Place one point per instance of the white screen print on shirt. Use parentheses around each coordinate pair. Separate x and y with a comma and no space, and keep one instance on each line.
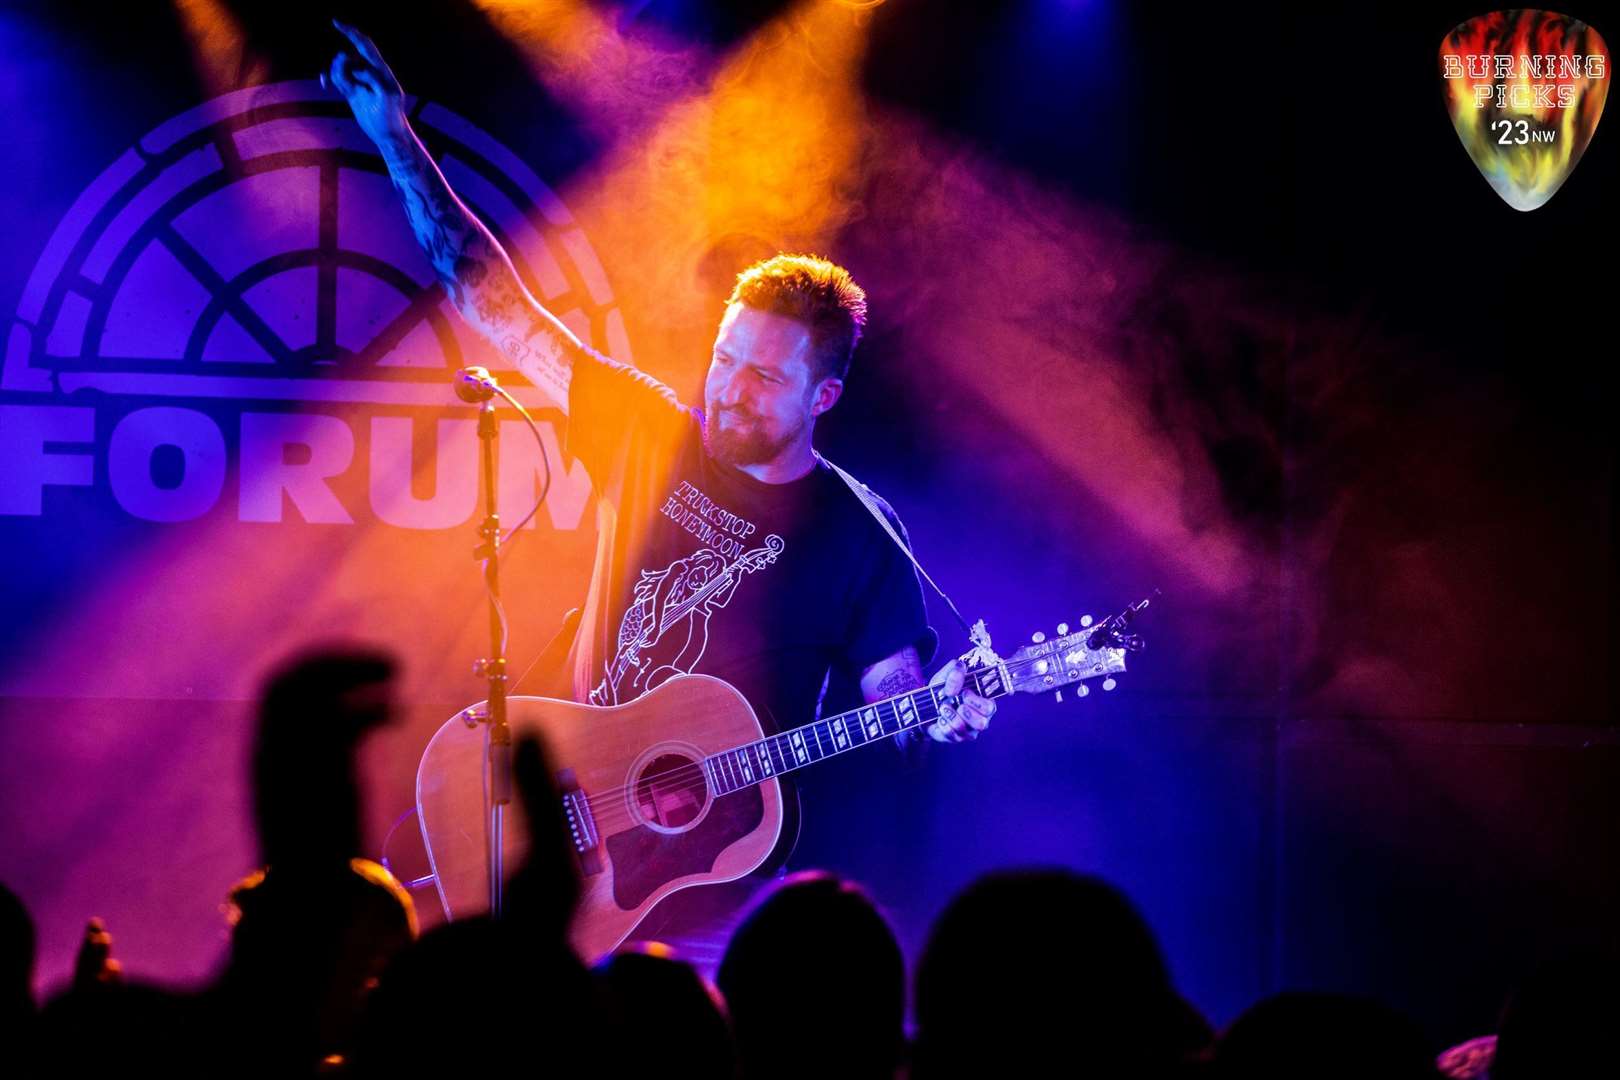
(665,628)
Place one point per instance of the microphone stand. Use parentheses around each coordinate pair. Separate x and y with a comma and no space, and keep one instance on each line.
(493,667)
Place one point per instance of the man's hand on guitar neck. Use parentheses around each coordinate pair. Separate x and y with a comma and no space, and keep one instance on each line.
(475,271)
(964,720)
(962,715)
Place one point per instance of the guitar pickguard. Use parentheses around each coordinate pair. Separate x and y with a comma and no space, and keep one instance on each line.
(644,859)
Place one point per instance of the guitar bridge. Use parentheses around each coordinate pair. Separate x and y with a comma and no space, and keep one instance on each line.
(581,825)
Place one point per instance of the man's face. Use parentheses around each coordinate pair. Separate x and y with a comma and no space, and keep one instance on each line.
(761,394)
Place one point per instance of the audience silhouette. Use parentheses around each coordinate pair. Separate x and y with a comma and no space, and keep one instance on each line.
(674,1022)
(17,950)
(1026,968)
(1025,972)
(1326,1036)
(815,982)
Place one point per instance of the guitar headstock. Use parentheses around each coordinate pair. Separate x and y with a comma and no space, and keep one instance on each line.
(1095,651)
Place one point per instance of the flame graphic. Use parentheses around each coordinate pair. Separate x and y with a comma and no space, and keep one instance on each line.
(1526,133)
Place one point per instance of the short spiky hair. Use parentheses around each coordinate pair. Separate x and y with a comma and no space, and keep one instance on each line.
(816,292)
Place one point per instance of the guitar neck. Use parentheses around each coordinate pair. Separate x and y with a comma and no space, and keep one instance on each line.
(798,748)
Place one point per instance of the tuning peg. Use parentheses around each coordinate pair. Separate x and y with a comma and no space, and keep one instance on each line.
(1063,628)
(1057,695)
(1037,637)
(1109,684)
(1085,620)
(1084,691)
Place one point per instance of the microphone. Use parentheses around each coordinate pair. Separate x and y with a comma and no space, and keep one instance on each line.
(475,385)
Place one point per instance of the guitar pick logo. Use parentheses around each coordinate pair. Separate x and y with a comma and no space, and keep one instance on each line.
(1525,90)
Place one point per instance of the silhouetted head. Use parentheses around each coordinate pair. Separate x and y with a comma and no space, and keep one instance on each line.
(674,1022)
(305,952)
(815,983)
(1324,1036)
(455,1001)
(476,995)
(1025,967)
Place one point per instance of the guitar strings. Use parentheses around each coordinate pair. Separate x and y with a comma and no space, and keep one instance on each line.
(614,808)
(693,778)
(609,807)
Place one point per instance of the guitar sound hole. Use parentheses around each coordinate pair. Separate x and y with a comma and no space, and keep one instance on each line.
(670,791)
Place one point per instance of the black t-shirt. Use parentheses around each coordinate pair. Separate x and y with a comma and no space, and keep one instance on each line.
(702,568)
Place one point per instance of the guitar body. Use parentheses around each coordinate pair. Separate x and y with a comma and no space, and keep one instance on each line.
(639,796)
(634,774)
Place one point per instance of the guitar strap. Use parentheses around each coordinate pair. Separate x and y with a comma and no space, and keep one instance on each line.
(976,632)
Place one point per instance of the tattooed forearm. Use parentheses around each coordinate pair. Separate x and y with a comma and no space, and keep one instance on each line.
(893,675)
(476,273)
(898,682)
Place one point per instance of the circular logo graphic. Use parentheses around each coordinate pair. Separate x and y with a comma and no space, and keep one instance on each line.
(254,248)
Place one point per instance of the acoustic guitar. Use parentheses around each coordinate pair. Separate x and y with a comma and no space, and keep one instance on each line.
(680,787)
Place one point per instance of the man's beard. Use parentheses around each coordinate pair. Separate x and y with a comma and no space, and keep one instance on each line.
(751,445)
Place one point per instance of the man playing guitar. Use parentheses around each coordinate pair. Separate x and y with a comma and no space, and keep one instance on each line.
(726,545)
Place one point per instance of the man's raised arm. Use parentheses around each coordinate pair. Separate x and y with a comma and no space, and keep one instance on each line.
(476,273)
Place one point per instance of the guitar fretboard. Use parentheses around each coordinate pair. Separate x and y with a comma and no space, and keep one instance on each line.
(749,764)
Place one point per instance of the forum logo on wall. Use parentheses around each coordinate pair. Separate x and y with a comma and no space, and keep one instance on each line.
(1525,90)
(235,318)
